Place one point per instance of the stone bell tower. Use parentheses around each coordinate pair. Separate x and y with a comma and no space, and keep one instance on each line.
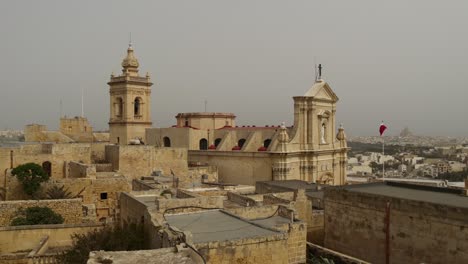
(130,102)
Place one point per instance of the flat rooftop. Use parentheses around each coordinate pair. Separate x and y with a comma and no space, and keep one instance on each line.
(430,194)
(215,225)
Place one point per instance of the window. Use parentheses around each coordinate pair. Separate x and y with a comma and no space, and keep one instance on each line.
(217,141)
(47,166)
(267,143)
(103,196)
(167,142)
(203,144)
(241,142)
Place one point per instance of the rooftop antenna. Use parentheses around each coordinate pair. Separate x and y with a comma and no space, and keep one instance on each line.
(82,102)
(206,103)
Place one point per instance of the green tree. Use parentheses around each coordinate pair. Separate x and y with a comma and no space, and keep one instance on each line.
(37,216)
(56,192)
(109,239)
(31,176)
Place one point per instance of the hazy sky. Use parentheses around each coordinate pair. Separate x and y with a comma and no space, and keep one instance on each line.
(405,62)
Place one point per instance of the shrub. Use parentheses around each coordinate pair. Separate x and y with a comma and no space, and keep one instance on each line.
(31,176)
(37,216)
(56,192)
(108,239)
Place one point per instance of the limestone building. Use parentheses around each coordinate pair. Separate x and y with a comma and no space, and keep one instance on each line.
(72,130)
(130,102)
(308,150)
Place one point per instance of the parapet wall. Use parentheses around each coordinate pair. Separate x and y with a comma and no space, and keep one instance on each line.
(419,231)
(70,209)
(26,238)
(203,201)
(241,199)
(80,170)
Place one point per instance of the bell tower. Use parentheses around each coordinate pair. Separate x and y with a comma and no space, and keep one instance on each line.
(130,102)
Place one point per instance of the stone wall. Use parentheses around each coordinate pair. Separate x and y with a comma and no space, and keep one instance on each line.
(132,211)
(100,195)
(419,232)
(211,171)
(264,250)
(70,209)
(202,201)
(241,199)
(253,212)
(141,160)
(297,246)
(273,199)
(80,170)
(237,167)
(57,154)
(25,238)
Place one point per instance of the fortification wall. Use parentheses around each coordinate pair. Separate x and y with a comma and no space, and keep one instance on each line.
(419,231)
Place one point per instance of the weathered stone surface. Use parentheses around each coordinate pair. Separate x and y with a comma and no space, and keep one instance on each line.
(70,209)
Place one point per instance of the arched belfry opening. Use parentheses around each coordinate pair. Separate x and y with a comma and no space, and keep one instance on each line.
(203,144)
(137,106)
(118,107)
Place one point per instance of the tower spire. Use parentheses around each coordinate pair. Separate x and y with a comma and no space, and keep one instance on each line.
(130,40)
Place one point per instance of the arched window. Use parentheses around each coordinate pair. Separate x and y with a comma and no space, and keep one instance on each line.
(203,144)
(267,142)
(241,142)
(167,142)
(217,141)
(119,107)
(47,166)
(137,106)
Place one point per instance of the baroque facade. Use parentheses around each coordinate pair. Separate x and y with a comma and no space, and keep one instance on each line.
(309,150)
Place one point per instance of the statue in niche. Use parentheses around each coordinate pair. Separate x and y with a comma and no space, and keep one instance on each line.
(322,134)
